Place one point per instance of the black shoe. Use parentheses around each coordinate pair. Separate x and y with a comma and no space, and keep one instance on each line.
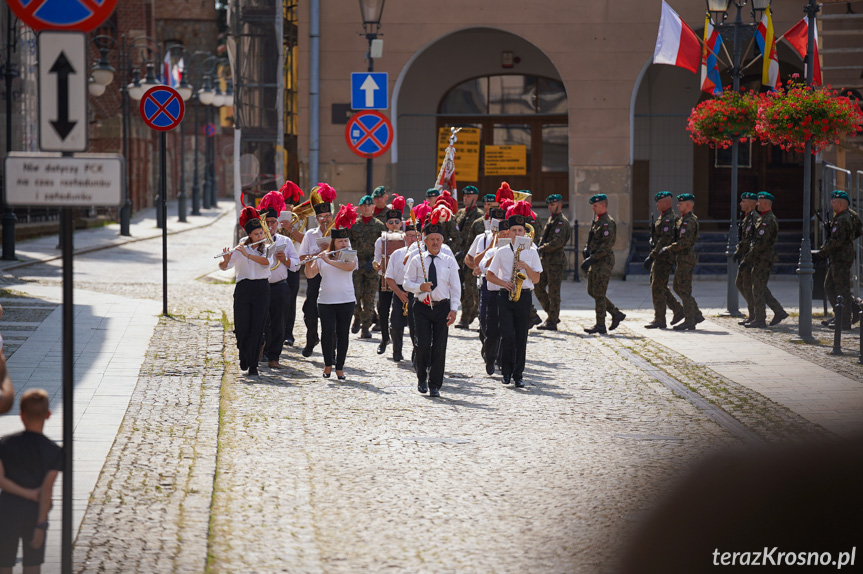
(365,334)
(756,325)
(422,387)
(829,322)
(289,342)
(655,325)
(341,378)
(678,316)
(685,326)
(244,366)
(507,379)
(397,357)
(355,328)
(310,346)
(596,329)
(534,322)
(519,383)
(326,375)
(489,368)
(616,318)
(434,393)
(253,371)
(778,317)
(382,347)
(699,319)
(462,326)
(548,326)
(745,321)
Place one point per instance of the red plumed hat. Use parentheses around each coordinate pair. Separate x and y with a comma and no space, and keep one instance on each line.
(250,215)
(504,192)
(506,204)
(446,199)
(291,192)
(273,203)
(326,191)
(398,202)
(520,208)
(440,214)
(346,217)
(422,210)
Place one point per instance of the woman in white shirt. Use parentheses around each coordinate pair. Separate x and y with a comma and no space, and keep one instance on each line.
(252,291)
(336,299)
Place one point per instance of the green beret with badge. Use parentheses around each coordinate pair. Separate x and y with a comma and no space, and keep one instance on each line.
(686,197)
(748,195)
(598,197)
(554,197)
(839,194)
(470,190)
(366,200)
(661,195)
(765,195)
(379,191)
(489,198)
(432,192)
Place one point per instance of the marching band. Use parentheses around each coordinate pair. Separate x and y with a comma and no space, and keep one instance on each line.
(418,280)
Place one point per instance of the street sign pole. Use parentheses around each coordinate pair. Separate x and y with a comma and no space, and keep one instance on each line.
(369,161)
(163,144)
(66,227)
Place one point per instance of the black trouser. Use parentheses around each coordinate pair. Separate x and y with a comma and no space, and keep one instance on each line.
(275,327)
(514,316)
(335,327)
(484,296)
(431,334)
(492,327)
(385,301)
(310,309)
(291,308)
(398,320)
(251,306)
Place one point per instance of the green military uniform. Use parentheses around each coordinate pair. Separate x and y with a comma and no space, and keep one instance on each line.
(744,272)
(551,252)
(603,233)
(464,221)
(366,280)
(382,215)
(684,248)
(845,227)
(662,235)
(760,257)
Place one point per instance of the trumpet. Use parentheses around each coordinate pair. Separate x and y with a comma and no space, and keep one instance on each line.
(238,246)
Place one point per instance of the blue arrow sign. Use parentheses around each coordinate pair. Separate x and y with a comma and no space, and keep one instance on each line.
(369,91)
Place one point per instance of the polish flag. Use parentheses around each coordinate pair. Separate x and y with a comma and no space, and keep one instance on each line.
(676,43)
(798,38)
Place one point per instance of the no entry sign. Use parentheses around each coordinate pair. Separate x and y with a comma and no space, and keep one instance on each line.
(68,15)
(162,108)
(369,134)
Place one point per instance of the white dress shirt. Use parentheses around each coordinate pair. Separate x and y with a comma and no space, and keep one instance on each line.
(309,246)
(337,286)
(501,264)
(396,267)
(480,242)
(246,268)
(483,267)
(292,260)
(448,283)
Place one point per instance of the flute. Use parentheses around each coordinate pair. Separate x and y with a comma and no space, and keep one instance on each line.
(322,253)
(237,247)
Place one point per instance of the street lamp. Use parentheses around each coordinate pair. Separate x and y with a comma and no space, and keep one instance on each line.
(9,74)
(735,33)
(372,12)
(202,63)
(185,90)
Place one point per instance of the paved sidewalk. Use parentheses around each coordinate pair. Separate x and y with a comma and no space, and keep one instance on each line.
(142,226)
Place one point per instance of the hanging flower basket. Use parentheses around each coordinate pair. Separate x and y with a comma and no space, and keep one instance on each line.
(789,117)
(719,121)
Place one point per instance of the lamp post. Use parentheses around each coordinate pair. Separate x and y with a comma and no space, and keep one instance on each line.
(9,217)
(372,11)
(204,96)
(805,269)
(734,33)
(185,91)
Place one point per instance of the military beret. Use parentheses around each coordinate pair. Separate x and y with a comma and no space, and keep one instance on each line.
(839,194)
(554,197)
(765,195)
(517,219)
(748,195)
(379,191)
(489,197)
(662,195)
(470,190)
(430,228)
(432,192)
(366,200)
(598,197)
(686,197)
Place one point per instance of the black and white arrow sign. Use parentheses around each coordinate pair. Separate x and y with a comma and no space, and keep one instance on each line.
(62,61)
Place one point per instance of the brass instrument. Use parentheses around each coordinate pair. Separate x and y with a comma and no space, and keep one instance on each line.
(302,212)
(519,195)
(530,231)
(518,276)
(405,308)
(391,242)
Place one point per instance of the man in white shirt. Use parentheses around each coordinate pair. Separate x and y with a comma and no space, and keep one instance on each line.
(480,245)
(284,258)
(491,345)
(433,278)
(514,316)
(310,248)
(395,279)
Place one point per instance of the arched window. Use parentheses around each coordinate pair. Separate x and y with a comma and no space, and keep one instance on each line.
(509,95)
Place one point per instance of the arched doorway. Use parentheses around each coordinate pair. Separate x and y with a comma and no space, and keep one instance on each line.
(506,94)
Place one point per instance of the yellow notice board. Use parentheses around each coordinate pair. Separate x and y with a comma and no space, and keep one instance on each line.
(505,160)
(466,152)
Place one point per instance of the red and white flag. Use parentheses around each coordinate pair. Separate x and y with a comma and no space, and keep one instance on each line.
(676,43)
(798,37)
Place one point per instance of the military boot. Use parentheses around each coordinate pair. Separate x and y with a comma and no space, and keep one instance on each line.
(656,324)
(778,317)
(616,318)
(678,316)
(596,329)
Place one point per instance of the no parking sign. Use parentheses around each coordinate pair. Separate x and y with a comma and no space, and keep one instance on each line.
(369,134)
(162,108)
(70,15)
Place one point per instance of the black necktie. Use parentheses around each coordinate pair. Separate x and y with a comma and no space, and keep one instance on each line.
(432,272)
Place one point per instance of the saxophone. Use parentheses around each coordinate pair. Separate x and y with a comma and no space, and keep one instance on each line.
(518,276)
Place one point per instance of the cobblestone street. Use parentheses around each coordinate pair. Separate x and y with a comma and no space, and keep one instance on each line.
(215,471)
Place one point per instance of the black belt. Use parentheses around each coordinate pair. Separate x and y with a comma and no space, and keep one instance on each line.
(277,282)
(441,302)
